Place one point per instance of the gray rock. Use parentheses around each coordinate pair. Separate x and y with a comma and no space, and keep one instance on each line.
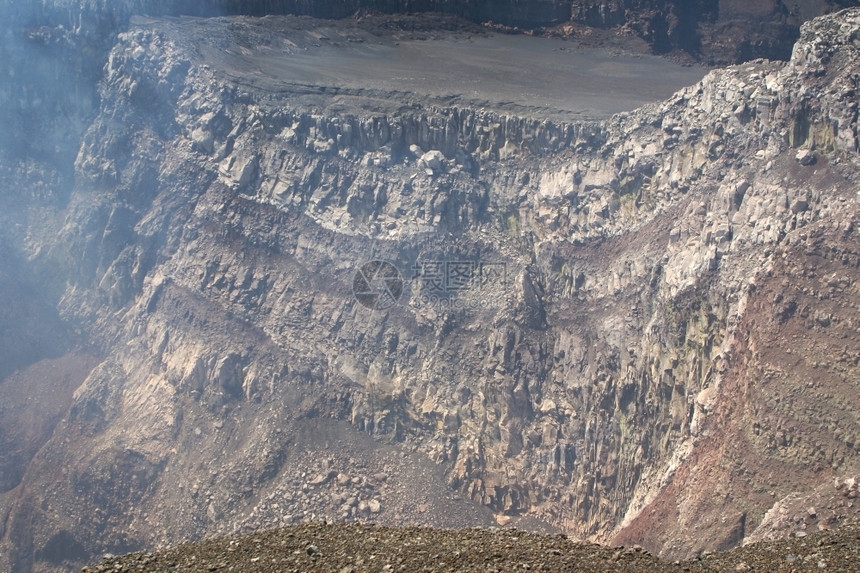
(800,206)
(433,160)
(805,157)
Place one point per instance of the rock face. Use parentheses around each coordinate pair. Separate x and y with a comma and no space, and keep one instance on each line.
(645,329)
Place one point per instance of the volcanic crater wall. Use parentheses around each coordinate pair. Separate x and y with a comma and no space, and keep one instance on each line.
(632,369)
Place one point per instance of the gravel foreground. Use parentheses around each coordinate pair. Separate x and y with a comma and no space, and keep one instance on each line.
(368,548)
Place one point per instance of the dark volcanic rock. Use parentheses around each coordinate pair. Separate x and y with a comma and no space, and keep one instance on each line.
(320,547)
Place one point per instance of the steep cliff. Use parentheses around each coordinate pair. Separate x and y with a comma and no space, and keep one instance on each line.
(643,320)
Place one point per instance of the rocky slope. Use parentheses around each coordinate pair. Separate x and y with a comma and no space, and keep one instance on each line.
(656,342)
(321,547)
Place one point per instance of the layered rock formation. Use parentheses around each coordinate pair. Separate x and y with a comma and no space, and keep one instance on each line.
(666,353)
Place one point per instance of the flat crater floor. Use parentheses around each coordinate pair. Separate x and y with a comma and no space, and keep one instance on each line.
(382,67)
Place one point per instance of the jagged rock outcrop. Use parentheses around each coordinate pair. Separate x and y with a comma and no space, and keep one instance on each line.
(670,337)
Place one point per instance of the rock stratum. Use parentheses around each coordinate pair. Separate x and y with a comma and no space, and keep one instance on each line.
(646,330)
